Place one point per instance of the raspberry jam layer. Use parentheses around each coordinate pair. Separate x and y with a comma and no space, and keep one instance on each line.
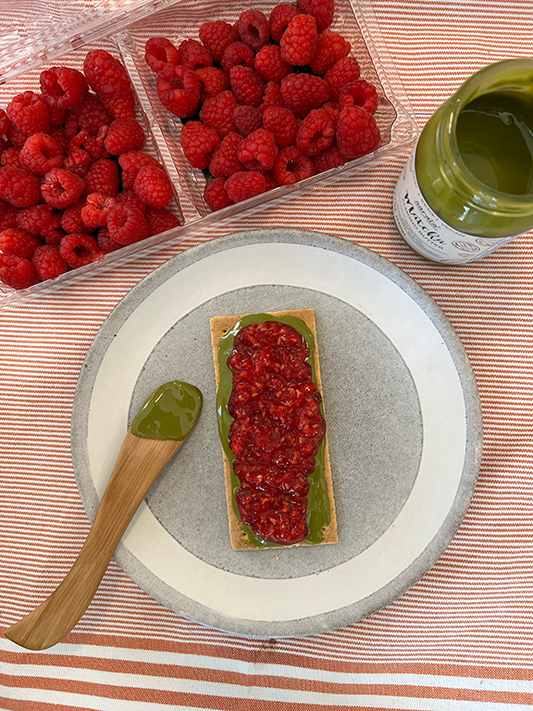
(272,428)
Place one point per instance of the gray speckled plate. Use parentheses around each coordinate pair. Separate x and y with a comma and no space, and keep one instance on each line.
(404,431)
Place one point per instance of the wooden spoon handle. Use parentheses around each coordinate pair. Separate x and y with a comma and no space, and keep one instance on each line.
(138,465)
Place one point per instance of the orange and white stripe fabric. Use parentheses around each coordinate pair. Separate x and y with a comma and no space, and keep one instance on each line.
(461,639)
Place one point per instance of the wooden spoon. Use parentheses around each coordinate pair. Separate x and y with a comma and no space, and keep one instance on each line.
(156,434)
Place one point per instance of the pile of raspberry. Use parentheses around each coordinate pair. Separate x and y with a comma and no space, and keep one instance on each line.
(74,180)
(266,101)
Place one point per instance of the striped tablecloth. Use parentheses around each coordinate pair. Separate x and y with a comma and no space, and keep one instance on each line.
(461,638)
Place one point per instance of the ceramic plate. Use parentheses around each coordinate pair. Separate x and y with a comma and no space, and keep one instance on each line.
(403,418)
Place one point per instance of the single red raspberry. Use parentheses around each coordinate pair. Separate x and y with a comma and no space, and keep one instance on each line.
(17,272)
(300,40)
(193,55)
(60,137)
(280,17)
(247,85)
(57,116)
(331,48)
(357,132)
(105,74)
(131,163)
(292,166)
(359,93)
(96,209)
(179,90)
(79,249)
(60,188)
(11,157)
(18,242)
(237,54)
(198,142)
(271,97)
(247,119)
(90,116)
(282,123)
(103,178)
(29,112)
(124,135)
(158,52)
(63,87)
(341,73)
(126,224)
(18,187)
(131,198)
(8,215)
(120,107)
(83,149)
(16,136)
(39,220)
(304,92)
(71,220)
(225,161)
(215,194)
(106,242)
(212,82)
(217,113)
(40,154)
(153,187)
(258,151)
(242,186)
(160,219)
(4,122)
(48,262)
(321,10)
(316,133)
(333,111)
(217,36)
(331,157)
(270,64)
(253,29)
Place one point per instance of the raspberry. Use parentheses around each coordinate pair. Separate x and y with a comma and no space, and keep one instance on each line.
(341,73)
(237,54)
(247,85)
(120,107)
(179,90)
(270,65)
(62,87)
(8,215)
(198,142)
(4,122)
(316,133)
(105,74)
(258,151)
(215,194)
(10,157)
(292,165)
(225,161)
(254,29)
(131,163)
(18,242)
(244,185)
(40,154)
(300,40)
(272,96)
(19,187)
(60,188)
(106,242)
(91,116)
(153,187)
(158,52)
(304,92)
(97,207)
(17,136)
(83,149)
(357,132)
(280,17)
(193,55)
(48,262)
(282,123)
(321,10)
(29,112)
(103,177)
(130,198)
(79,249)
(331,157)
(57,116)
(217,36)
(124,135)
(331,48)
(159,219)
(71,220)
(247,119)
(270,181)
(17,271)
(333,111)
(217,113)
(212,82)
(39,220)
(359,93)
(126,224)
(60,137)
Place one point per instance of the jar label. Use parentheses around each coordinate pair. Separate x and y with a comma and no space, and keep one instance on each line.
(427,234)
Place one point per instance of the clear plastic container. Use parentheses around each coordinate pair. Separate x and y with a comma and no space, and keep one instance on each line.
(63,34)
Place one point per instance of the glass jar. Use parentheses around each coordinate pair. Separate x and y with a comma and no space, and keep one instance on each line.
(453,203)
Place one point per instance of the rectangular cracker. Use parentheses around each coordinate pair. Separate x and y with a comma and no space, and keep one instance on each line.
(220,325)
